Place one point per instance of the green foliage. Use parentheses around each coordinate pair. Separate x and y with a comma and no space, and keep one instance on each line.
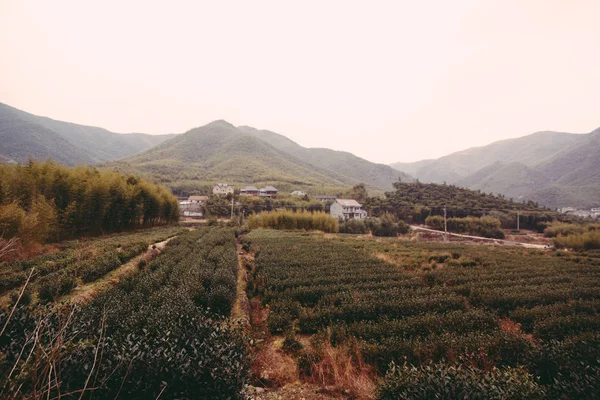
(294,220)
(491,313)
(583,241)
(443,381)
(478,226)
(387,225)
(565,229)
(417,201)
(88,260)
(46,201)
(157,334)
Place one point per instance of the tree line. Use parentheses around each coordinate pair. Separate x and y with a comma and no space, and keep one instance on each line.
(45,201)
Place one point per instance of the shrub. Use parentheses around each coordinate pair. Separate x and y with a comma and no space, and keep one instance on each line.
(579,241)
(55,285)
(479,226)
(387,225)
(294,220)
(443,381)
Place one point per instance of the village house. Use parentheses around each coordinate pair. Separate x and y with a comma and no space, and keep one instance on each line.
(347,209)
(249,191)
(193,206)
(268,191)
(222,189)
(198,199)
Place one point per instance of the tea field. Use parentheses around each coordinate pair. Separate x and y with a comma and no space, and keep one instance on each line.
(433,310)
(396,318)
(162,332)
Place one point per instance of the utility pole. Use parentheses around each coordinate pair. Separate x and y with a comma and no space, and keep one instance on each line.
(445,225)
(518,230)
(232,208)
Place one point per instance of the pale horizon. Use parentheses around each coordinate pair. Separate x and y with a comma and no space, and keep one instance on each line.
(389,82)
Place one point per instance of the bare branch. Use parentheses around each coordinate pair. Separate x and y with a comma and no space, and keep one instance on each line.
(17,302)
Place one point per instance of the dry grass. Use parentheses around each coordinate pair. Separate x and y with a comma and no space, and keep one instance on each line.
(273,368)
(341,370)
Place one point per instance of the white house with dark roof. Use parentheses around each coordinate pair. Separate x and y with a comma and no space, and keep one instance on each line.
(347,209)
(222,189)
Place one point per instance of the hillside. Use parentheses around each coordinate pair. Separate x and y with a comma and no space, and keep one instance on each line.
(342,163)
(25,135)
(219,152)
(415,201)
(552,168)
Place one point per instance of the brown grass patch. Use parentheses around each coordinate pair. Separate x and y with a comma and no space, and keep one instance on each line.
(341,370)
(273,368)
(509,326)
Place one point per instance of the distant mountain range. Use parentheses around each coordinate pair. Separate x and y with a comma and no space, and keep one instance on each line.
(555,169)
(24,135)
(217,152)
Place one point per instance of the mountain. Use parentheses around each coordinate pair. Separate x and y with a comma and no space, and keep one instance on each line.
(24,135)
(555,169)
(343,163)
(220,152)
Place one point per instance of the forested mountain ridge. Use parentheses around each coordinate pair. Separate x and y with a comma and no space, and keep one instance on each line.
(554,169)
(24,135)
(220,152)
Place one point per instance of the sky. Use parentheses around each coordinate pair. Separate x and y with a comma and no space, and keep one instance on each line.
(390,81)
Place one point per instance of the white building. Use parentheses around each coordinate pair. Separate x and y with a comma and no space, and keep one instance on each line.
(298,193)
(347,209)
(222,189)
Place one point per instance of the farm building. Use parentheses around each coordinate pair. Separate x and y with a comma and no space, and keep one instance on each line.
(347,209)
(268,191)
(249,191)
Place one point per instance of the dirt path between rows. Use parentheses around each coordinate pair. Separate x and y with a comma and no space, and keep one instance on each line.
(86,292)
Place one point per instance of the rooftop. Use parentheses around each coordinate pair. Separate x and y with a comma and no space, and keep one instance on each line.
(349,202)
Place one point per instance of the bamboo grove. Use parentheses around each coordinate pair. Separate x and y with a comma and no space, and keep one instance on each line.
(46,201)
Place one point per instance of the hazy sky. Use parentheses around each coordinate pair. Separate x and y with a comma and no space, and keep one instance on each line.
(388,81)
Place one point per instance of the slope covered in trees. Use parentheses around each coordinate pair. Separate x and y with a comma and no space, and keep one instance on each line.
(416,201)
(47,201)
(25,135)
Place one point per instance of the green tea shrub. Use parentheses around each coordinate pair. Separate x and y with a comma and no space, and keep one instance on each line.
(456,381)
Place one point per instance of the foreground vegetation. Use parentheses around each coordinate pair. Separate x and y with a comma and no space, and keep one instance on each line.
(162,332)
(454,314)
(47,202)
